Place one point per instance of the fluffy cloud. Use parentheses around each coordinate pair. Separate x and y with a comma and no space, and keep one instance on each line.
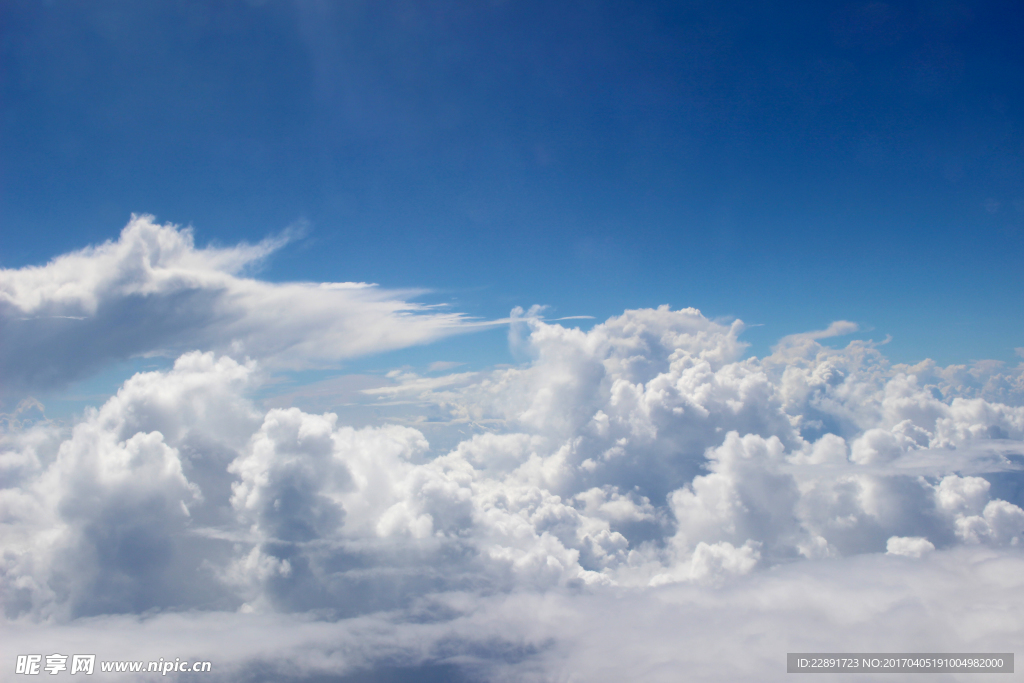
(909,546)
(597,501)
(153,291)
(99,524)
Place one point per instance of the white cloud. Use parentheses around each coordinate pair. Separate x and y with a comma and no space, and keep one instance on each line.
(837,328)
(965,599)
(908,546)
(153,291)
(601,498)
(100,524)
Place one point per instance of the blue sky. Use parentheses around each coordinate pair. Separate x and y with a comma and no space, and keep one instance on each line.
(347,341)
(785,163)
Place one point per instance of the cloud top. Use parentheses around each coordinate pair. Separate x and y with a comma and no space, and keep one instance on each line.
(154,291)
(641,473)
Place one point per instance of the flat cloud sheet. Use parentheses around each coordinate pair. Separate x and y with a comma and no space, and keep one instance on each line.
(634,502)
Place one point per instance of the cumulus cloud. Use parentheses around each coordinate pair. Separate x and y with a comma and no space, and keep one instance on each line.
(592,505)
(154,291)
(908,546)
(99,523)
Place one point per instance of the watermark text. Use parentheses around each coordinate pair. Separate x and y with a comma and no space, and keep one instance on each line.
(34,665)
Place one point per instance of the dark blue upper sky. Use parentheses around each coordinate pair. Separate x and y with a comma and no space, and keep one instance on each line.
(789,163)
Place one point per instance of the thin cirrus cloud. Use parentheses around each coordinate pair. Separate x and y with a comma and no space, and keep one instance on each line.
(597,502)
(154,292)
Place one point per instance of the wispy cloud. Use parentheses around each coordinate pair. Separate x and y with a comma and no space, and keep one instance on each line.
(154,291)
(837,328)
(443,365)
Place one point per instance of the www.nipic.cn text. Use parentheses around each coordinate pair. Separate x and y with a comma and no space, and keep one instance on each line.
(56,663)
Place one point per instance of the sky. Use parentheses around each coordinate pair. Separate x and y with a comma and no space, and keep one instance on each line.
(508,340)
(788,164)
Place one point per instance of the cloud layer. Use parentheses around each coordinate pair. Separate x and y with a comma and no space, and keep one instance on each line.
(153,291)
(629,503)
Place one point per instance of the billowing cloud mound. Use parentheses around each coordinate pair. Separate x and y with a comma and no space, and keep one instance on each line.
(597,504)
(153,291)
